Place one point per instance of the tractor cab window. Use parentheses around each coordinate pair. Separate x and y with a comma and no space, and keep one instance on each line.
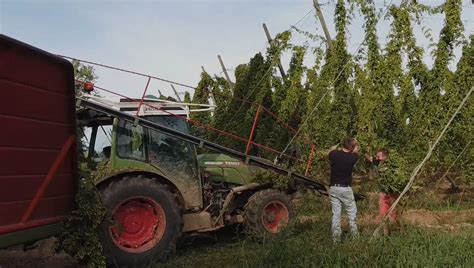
(131,141)
(170,121)
(97,139)
(174,156)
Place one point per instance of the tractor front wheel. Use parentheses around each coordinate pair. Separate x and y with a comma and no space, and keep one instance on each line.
(267,212)
(142,221)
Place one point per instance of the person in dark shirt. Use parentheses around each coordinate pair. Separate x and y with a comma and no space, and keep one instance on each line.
(340,191)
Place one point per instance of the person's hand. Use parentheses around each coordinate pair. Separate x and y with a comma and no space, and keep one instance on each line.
(369,158)
(334,147)
(356,149)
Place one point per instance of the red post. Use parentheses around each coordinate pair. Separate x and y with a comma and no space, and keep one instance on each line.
(143,96)
(310,160)
(249,143)
(49,177)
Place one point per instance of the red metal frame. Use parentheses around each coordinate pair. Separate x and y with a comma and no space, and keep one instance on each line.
(143,96)
(199,124)
(252,131)
(190,87)
(47,180)
(249,140)
(25,222)
(310,160)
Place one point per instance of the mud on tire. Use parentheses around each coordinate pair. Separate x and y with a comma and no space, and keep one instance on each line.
(267,212)
(142,223)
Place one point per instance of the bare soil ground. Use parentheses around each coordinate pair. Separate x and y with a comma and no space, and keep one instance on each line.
(42,254)
(429,219)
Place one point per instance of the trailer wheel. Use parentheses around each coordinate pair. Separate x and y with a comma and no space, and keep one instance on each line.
(142,223)
(267,212)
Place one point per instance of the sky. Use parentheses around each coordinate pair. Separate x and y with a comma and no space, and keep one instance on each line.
(173,39)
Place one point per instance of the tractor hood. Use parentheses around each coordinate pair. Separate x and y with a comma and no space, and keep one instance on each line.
(223,168)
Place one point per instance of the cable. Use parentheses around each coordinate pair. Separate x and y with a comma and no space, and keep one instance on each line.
(194,122)
(300,20)
(381,15)
(419,166)
(162,79)
(452,164)
(128,71)
(265,74)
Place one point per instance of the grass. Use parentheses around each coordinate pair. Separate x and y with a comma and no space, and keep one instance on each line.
(309,244)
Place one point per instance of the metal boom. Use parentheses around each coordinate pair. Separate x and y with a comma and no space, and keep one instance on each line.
(202,143)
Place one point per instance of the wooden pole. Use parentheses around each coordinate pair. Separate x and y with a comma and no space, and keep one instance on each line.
(176,93)
(323,23)
(227,77)
(269,38)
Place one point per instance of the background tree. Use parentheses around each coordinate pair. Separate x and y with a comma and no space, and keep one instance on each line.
(431,114)
(383,95)
(461,135)
(187,97)
(223,97)
(201,96)
(342,106)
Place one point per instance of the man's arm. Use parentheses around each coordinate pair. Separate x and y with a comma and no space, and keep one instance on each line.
(356,149)
(332,149)
(330,154)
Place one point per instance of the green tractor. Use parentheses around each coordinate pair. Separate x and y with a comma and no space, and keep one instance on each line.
(156,188)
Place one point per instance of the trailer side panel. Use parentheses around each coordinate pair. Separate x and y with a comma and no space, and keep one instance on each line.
(37,122)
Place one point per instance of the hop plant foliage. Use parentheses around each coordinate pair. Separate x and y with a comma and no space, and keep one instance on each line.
(278,181)
(80,236)
(385,95)
(394,174)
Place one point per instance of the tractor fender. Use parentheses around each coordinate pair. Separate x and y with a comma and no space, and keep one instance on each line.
(104,181)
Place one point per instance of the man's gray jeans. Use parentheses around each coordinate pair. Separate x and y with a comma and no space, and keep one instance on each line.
(342,196)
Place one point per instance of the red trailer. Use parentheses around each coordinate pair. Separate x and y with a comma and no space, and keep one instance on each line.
(38,167)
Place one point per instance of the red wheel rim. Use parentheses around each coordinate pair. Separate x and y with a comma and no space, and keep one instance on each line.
(138,224)
(275,216)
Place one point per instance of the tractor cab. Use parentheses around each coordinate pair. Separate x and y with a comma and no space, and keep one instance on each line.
(128,141)
(123,146)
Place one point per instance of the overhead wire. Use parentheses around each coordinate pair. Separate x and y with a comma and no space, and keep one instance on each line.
(265,74)
(127,71)
(452,164)
(381,15)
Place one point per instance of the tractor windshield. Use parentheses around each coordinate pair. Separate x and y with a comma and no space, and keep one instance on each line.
(170,121)
(173,156)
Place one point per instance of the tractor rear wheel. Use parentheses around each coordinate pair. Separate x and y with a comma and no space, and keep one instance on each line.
(142,222)
(267,212)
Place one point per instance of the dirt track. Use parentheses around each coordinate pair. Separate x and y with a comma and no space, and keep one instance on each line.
(42,255)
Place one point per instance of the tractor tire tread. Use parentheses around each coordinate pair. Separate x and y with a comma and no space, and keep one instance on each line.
(143,182)
(252,225)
